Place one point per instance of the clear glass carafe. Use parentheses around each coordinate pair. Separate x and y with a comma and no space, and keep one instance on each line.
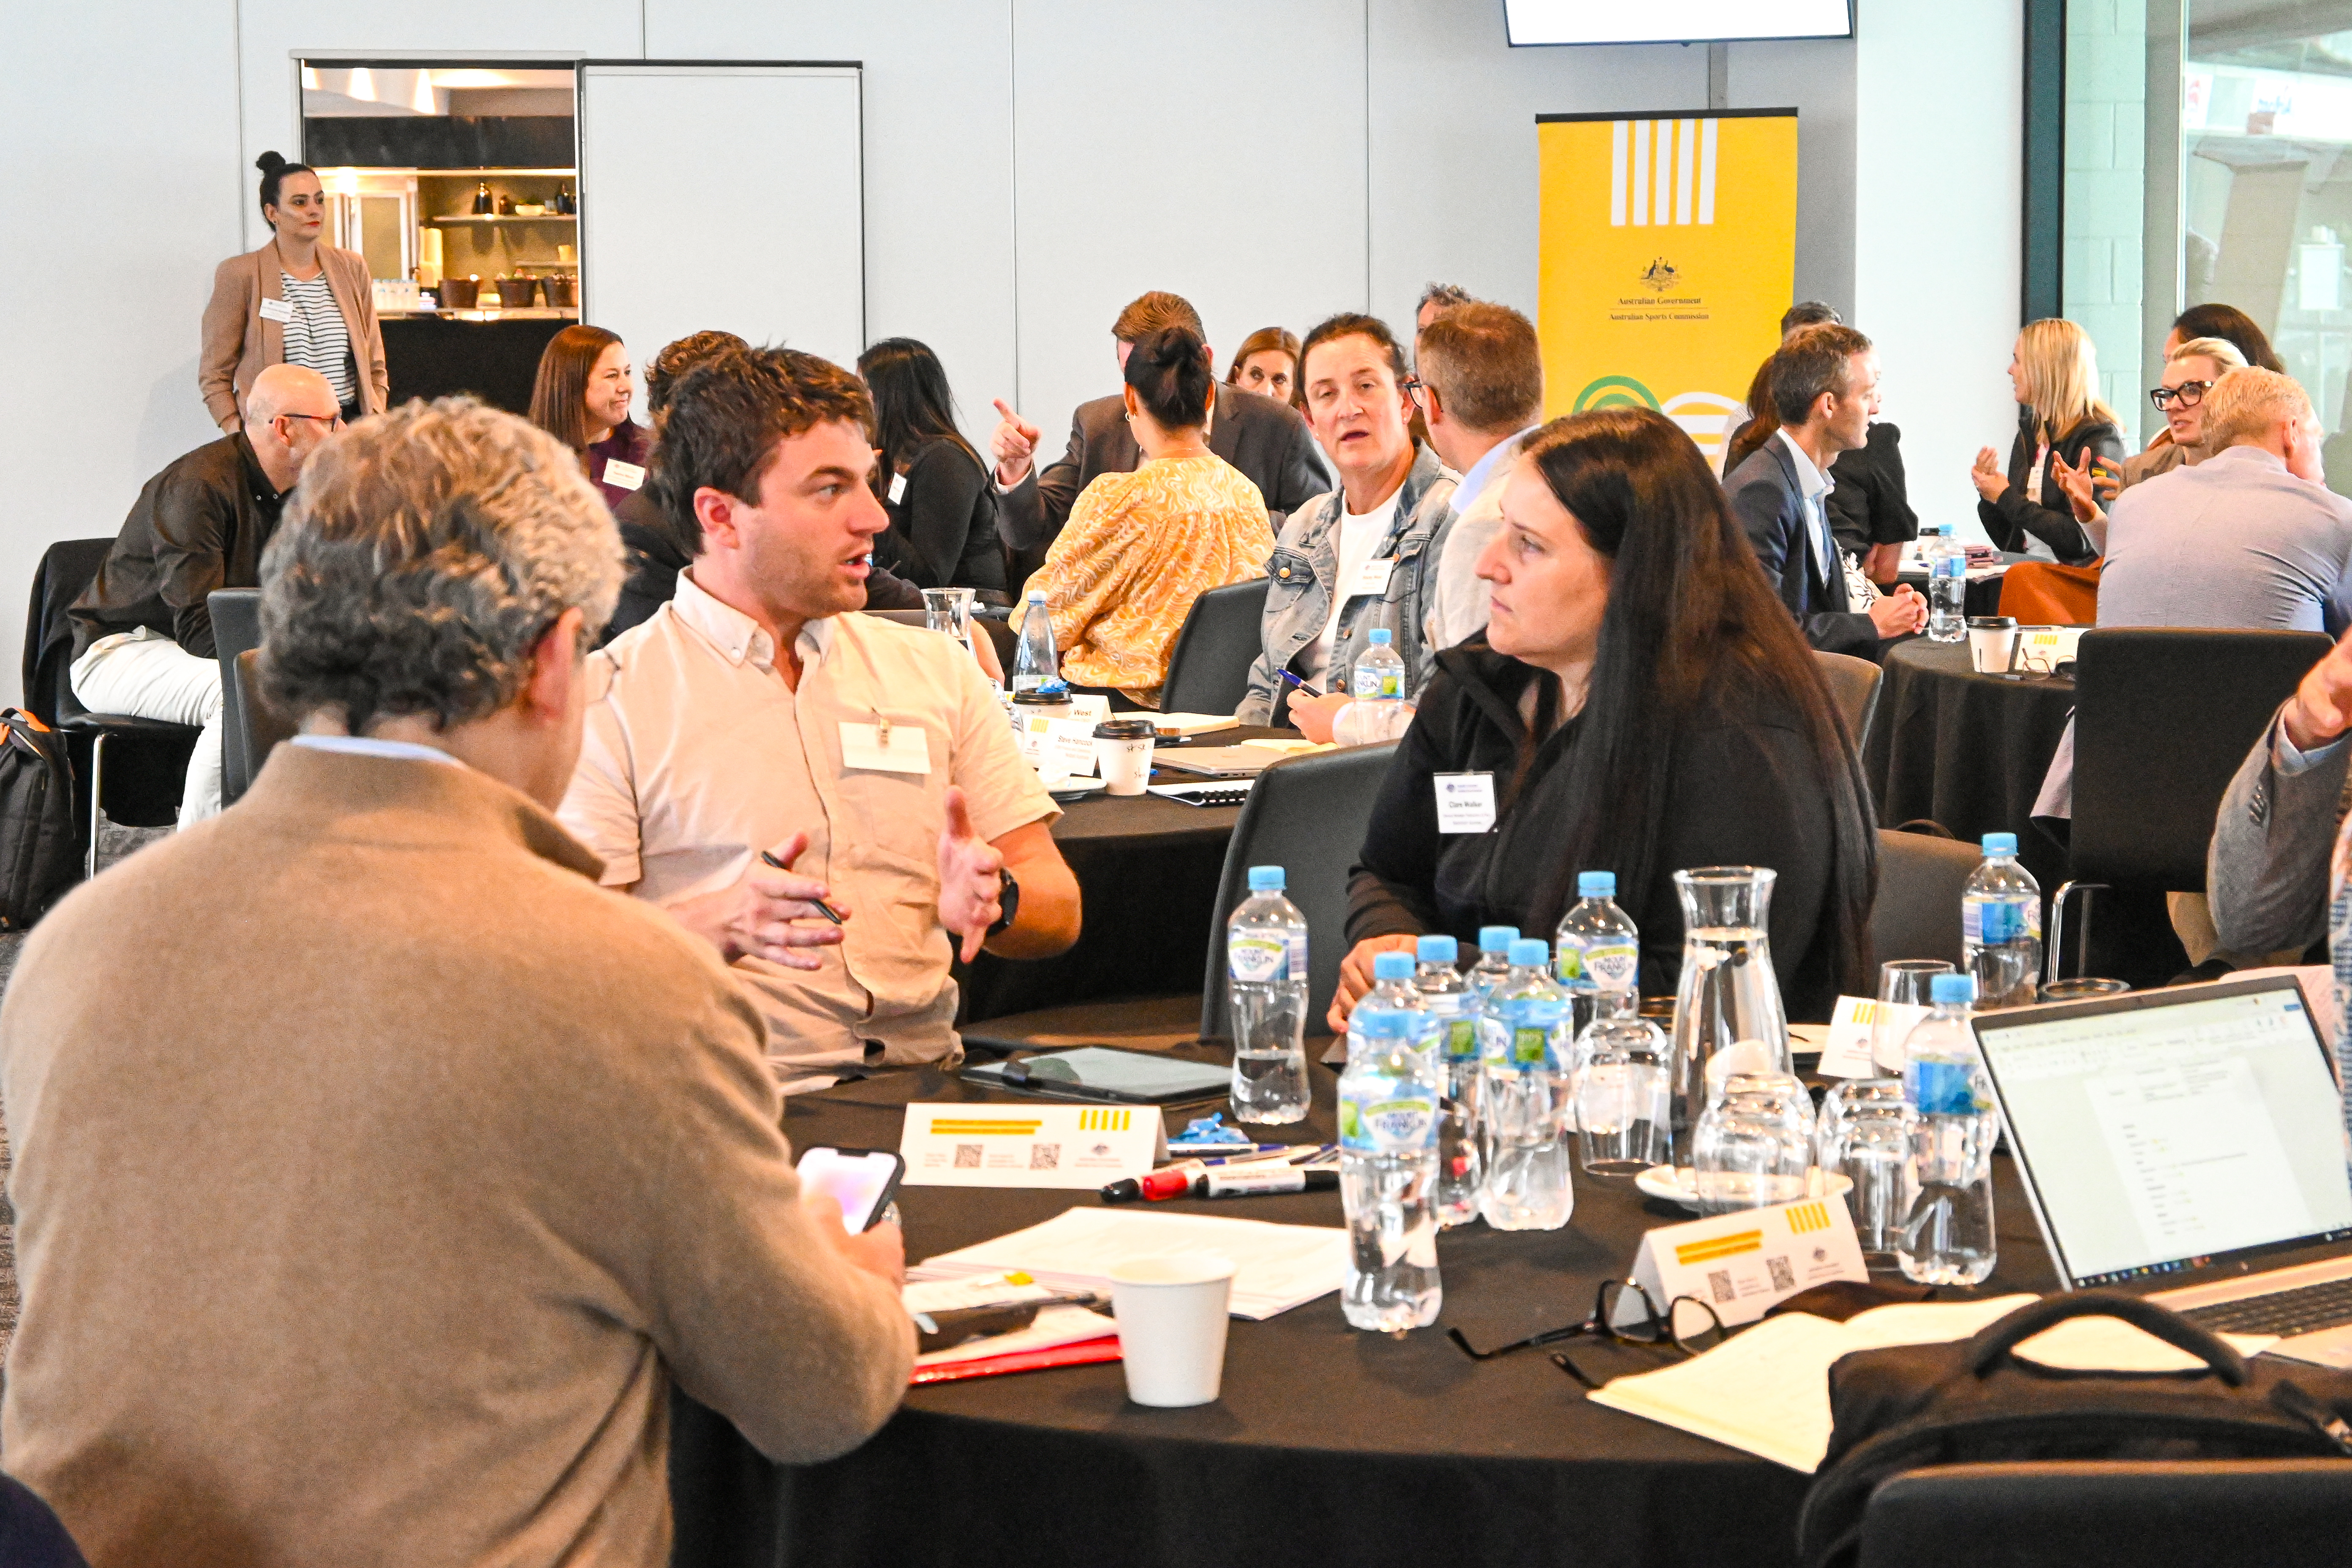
(1727,1014)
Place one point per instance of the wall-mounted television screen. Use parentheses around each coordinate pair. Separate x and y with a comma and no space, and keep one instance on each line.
(1684,22)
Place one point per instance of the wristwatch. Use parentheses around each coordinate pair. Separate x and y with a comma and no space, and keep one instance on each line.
(1008,899)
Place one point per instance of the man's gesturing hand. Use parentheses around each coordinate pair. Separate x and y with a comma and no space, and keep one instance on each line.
(969,885)
(2321,708)
(1014,444)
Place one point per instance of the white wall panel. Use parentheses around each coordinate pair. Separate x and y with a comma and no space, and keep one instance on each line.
(1816,78)
(1938,196)
(1217,150)
(938,160)
(1453,140)
(122,190)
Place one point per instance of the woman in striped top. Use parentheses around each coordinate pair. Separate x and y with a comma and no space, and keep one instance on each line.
(294,302)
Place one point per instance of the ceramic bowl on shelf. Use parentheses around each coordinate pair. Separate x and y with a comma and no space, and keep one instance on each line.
(532,209)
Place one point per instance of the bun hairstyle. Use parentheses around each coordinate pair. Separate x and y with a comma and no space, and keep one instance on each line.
(1169,371)
(273,169)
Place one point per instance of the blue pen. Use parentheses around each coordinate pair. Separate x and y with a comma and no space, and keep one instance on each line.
(1235,1147)
(1303,687)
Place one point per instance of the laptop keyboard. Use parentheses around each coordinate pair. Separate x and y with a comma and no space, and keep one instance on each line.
(2285,1313)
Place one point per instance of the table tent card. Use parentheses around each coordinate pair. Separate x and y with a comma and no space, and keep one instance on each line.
(978,1145)
(1741,1263)
(1847,1052)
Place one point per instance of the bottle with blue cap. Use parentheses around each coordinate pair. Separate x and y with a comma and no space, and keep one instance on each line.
(1946,560)
(1377,684)
(1389,1095)
(1494,965)
(2001,926)
(1266,969)
(1526,1042)
(1452,1010)
(1948,1225)
(1036,672)
(1597,951)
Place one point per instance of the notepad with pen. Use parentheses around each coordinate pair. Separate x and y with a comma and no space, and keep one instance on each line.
(1103,1073)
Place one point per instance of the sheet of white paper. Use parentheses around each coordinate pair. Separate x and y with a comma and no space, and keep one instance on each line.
(972,1291)
(1277,1267)
(2110,1345)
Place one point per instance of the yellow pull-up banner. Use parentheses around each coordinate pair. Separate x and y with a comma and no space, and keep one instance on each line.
(1669,252)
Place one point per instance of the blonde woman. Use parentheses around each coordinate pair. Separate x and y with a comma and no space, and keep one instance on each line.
(2189,373)
(1140,547)
(2054,373)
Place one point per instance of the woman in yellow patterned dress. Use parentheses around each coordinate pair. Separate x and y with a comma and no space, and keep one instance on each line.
(1140,547)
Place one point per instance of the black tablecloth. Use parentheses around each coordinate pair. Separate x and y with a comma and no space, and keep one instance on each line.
(1147,870)
(1966,749)
(1327,1443)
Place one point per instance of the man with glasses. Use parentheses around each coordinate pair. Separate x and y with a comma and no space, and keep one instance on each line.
(143,631)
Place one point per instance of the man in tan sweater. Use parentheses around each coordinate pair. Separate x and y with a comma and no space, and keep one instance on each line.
(375,1173)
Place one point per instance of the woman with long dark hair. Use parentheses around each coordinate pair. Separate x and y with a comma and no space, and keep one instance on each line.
(582,398)
(1643,704)
(942,531)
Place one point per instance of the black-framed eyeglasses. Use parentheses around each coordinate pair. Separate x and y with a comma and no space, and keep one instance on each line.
(1686,1323)
(331,421)
(2188,395)
(1414,385)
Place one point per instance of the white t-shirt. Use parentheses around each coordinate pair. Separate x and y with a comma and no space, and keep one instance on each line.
(1360,535)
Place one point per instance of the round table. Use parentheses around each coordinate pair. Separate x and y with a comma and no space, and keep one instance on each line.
(1967,750)
(1327,1443)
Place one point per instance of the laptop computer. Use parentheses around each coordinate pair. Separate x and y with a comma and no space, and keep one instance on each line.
(2187,1145)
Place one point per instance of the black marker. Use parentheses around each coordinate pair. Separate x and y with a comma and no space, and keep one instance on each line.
(827,910)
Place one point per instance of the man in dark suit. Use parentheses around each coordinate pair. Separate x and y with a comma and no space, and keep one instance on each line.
(1824,381)
(1266,440)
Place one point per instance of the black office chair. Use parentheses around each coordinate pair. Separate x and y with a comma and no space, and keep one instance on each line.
(236,628)
(1853,687)
(2213,1513)
(1306,814)
(2162,720)
(1917,911)
(155,771)
(1208,670)
(250,728)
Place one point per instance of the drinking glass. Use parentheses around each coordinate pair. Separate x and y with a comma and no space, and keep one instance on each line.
(1843,1100)
(1619,1095)
(949,610)
(1730,998)
(1749,1150)
(1905,980)
(1870,1146)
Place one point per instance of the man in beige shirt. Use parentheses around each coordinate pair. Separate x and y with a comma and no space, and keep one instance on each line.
(755,712)
(375,1171)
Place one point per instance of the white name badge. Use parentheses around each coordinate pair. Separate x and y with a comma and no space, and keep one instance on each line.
(892,749)
(1058,748)
(1094,710)
(898,488)
(1852,1025)
(976,1145)
(277,310)
(1372,577)
(1740,1264)
(1466,803)
(628,476)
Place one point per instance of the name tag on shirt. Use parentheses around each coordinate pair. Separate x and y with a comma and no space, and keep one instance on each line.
(628,476)
(1466,803)
(898,488)
(277,310)
(1372,577)
(901,750)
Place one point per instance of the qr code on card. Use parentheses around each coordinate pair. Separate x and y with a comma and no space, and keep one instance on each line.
(1784,1276)
(1045,1156)
(967,1156)
(1718,1284)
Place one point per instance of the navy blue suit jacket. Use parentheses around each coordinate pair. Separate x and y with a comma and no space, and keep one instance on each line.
(1770,508)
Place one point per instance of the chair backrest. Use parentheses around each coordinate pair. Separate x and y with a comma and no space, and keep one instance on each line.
(31,1535)
(2162,718)
(66,570)
(1208,670)
(1853,687)
(237,621)
(2212,1513)
(1306,814)
(2044,594)
(251,727)
(1918,912)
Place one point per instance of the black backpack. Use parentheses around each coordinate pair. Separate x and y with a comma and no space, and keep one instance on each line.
(1971,1402)
(40,852)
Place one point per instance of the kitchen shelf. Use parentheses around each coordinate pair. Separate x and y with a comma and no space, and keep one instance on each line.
(504,217)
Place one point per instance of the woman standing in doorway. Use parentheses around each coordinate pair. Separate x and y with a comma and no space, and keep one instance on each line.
(582,398)
(296,301)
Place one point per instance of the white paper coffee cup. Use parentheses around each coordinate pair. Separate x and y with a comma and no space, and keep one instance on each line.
(1172,1326)
(1124,756)
(1992,644)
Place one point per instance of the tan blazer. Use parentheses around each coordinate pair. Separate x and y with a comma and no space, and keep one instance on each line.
(240,342)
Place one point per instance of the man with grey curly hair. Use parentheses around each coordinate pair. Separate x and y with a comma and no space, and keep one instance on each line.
(387,1202)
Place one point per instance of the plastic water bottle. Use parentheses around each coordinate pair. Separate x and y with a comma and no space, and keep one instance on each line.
(2001,926)
(1266,964)
(1378,685)
(1036,671)
(1947,1236)
(1494,965)
(1948,583)
(1597,951)
(1526,1047)
(1453,1009)
(1388,1156)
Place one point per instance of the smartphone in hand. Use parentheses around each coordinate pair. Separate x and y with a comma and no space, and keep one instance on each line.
(862,1181)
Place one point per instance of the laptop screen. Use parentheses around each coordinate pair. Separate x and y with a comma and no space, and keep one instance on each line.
(2166,1133)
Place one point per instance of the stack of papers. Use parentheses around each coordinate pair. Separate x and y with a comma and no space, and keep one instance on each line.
(1276,1266)
(1767,1389)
